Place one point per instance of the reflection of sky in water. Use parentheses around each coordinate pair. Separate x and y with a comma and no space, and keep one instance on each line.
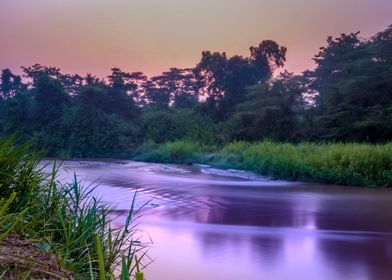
(212,226)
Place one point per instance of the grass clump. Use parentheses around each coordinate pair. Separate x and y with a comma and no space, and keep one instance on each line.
(347,164)
(172,152)
(63,225)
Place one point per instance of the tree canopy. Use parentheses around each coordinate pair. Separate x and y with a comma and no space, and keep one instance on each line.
(346,97)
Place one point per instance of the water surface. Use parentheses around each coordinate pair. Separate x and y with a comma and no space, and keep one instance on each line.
(229,225)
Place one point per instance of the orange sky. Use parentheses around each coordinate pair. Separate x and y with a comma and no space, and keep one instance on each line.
(81,36)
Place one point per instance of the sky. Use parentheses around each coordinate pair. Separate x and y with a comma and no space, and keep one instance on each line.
(92,36)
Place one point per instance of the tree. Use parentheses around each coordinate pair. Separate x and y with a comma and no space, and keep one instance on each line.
(34,72)
(120,98)
(353,90)
(10,84)
(50,99)
(267,57)
(225,79)
(156,94)
(211,69)
(382,44)
(70,83)
(93,129)
(239,74)
(273,111)
(16,116)
(176,88)
(182,86)
(131,83)
(170,125)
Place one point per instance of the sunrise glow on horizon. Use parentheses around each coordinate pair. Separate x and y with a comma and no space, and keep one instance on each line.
(151,36)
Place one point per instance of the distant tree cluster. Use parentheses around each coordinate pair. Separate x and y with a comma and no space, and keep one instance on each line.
(347,97)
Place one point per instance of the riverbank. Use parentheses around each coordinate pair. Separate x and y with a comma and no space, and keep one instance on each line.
(49,230)
(352,164)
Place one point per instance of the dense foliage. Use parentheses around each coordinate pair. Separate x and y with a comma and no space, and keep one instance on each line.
(346,98)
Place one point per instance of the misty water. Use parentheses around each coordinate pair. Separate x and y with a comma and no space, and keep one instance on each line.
(228,225)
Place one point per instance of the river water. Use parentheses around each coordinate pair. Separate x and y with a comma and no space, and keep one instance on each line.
(229,225)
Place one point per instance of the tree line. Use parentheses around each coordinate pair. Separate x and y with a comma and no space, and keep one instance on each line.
(346,98)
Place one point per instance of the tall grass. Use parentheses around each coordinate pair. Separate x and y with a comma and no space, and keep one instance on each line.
(19,172)
(65,221)
(347,164)
(9,221)
(171,152)
(335,163)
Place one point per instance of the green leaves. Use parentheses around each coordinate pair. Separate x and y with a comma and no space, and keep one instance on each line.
(352,88)
(101,263)
(138,275)
(19,172)
(8,221)
(124,269)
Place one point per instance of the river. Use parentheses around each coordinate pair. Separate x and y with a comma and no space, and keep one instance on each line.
(229,225)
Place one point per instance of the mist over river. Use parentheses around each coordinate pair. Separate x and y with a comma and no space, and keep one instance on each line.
(229,225)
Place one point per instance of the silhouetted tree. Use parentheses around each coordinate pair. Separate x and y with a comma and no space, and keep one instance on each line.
(9,84)
(267,57)
(225,79)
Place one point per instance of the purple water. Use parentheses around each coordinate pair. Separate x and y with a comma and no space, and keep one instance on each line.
(229,225)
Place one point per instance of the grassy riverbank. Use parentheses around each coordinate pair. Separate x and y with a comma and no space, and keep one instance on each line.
(347,164)
(54,231)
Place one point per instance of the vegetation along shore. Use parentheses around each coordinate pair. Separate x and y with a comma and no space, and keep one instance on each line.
(367,165)
(49,230)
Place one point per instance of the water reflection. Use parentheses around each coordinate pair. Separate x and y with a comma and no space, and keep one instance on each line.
(208,226)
